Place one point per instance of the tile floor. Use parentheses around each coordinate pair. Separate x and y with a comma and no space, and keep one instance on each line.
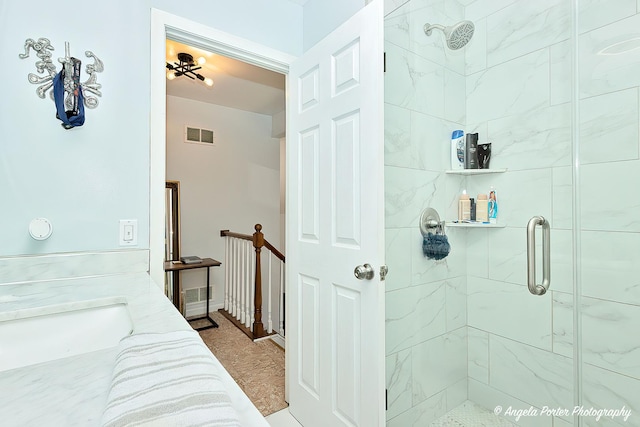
(469,414)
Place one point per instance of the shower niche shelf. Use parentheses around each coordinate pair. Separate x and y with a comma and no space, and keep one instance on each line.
(473,225)
(475,171)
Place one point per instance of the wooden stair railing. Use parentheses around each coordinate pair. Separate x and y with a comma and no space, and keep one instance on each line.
(240,317)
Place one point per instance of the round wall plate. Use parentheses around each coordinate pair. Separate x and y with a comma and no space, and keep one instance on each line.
(429,221)
(40,228)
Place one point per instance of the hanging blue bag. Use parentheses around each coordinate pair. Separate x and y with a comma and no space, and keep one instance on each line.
(71,118)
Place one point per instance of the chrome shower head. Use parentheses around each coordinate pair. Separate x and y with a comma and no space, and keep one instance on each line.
(457,35)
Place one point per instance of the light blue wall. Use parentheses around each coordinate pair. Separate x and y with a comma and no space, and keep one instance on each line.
(323,16)
(86,179)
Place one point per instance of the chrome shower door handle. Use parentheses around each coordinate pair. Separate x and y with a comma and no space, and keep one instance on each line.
(531,255)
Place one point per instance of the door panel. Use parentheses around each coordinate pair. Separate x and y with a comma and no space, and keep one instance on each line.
(336,222)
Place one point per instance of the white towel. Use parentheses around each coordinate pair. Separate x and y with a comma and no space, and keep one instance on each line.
(167,379)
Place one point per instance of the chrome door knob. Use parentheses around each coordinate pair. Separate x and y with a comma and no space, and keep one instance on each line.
(364,272)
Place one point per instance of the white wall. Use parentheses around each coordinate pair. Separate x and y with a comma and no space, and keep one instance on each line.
(231,185)
(85,180)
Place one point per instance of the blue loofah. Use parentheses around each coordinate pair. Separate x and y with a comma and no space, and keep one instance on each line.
(436,246)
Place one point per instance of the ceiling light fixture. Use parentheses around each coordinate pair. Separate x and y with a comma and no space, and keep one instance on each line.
(187,67)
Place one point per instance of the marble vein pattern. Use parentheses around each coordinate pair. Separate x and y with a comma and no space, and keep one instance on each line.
(605,389)
(478,357)
(596,13)
(612,206)
(414,315)
(518,86)
(72,391)
(609,336)
(514,306)
(548,377)
(21,269)
(488,397)
(398,382)
(609,127)
(563,324)
(525,27)
(422,413)
(439,363)
(609,269)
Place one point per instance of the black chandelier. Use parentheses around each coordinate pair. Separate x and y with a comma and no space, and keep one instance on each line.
(187,67)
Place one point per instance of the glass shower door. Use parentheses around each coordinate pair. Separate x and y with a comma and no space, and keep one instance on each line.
(607,177)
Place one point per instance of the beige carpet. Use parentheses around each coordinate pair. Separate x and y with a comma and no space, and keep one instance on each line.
(258,367)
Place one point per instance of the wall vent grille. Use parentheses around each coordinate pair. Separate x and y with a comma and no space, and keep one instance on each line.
(198,135)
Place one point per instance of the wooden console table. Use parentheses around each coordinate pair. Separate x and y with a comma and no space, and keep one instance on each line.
(177,267)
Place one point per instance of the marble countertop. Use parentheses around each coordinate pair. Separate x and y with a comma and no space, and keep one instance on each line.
(73,390)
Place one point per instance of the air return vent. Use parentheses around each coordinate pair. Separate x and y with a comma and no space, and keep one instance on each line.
(199,136)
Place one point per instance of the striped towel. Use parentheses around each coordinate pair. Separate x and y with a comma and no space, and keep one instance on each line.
(167,379)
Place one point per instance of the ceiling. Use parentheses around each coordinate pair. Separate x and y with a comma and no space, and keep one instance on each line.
(236,84)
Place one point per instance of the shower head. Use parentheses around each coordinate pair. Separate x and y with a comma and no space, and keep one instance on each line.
(457,35)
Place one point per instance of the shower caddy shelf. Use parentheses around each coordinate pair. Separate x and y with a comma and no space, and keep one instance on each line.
(474,172)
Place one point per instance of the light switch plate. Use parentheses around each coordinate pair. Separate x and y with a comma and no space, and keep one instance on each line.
(128,232)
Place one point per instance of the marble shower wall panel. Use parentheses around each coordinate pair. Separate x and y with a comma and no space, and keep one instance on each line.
(534,140)
(526,26)
(560,72)
(399,383)
(563,324)
(490,398)
(605,389)
(535,376)
(562,193)
(602,73)
(407,193)
(519,86)
(609,134)
(510,311)
(609,336)
(414,315)
(416,140)
(609,269)
(398,254)
(596,13)
(610,201)
(438,364)
(423,413)
(478,355)
(413,82)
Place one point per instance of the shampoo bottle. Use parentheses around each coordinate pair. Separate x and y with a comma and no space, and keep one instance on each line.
(464,207)
(482,208)
(457,150)
(493,206)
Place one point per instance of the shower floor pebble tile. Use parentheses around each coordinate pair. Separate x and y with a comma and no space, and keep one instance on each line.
(470,415)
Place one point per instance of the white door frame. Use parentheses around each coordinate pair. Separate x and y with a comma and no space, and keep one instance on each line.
(165,25)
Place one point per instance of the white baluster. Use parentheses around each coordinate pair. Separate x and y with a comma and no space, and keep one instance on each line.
(252,290)
(236,273)
(243,283)
(226,273)
(250,284)
(282,298)
(269,320)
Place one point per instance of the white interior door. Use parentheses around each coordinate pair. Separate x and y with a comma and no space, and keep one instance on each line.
(335,222)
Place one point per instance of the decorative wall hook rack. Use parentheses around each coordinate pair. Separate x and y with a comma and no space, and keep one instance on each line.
(69,94)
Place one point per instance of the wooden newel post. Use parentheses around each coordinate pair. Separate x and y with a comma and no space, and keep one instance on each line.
(258,243)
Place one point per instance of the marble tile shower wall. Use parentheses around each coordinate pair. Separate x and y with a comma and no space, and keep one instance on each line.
(518,92)
(512,85)
(426,332)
